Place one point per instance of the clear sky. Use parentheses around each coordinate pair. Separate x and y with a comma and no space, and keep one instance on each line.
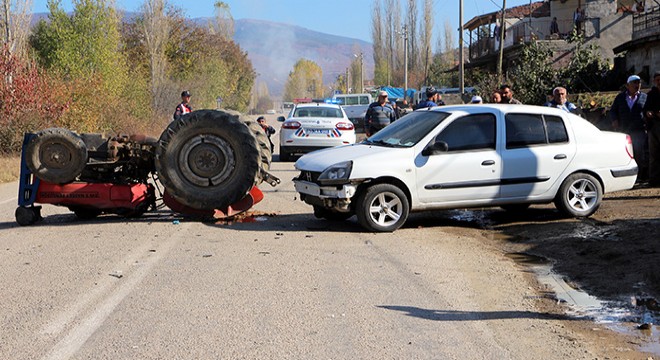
(350,18)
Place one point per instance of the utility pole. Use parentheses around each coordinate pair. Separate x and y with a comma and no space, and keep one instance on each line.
(461,68)
(405,61)
(347,80)
(502,30)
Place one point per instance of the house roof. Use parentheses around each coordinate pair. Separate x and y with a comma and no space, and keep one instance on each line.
(536,10)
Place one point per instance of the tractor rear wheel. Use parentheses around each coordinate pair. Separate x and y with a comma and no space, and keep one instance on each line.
(208,159)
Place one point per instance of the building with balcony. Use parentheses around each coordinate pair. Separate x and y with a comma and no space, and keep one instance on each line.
(606,23)
(642,53)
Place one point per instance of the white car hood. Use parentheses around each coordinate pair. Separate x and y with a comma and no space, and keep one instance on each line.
(359,153)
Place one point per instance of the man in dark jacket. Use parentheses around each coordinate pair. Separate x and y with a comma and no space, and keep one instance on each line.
(652,114)
(627,116)
(432,99)
(379,114)
(269,130)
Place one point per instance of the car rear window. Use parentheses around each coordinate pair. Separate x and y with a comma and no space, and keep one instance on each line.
(318,112)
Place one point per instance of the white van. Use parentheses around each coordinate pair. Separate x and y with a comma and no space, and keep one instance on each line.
(355,106)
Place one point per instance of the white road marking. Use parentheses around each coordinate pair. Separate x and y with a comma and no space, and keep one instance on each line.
(77,336)
(8,200)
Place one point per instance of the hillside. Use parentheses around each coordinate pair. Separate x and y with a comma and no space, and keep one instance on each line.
(274,48)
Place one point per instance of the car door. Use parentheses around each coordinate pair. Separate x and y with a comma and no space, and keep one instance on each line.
(470,168)
(537,151)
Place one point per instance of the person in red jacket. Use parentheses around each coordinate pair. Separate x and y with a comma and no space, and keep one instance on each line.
(184,107)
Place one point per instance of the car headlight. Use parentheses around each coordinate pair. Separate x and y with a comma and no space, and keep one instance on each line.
(336,174)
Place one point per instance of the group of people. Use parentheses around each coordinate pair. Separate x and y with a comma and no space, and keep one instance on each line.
(638,114)
(634,112)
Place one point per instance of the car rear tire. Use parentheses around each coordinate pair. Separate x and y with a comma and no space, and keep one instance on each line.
(579,195)
(208,159)
(56,155)
(382,208)
(284,156)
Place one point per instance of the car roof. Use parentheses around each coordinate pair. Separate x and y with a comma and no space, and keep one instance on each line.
(305,105)
(505,108)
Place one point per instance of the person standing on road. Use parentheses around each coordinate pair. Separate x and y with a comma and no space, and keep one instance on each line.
(379,114)
(184,107)
(432,96)
(652,114)
(559,100)
(627,115)
(269,130)
(507,95)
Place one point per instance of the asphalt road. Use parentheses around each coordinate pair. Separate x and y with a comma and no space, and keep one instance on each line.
(286,286)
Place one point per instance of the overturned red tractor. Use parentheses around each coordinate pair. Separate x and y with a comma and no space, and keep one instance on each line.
(209,163)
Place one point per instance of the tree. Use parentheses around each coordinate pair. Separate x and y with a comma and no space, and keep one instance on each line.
(587,71)
(533,75)
(15,23)
(156,28)
(380,51)
(83,50)
(223,23)
(306,80)
(32,100)
(425,34)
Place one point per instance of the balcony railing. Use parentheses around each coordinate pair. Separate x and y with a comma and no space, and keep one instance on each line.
(646,23)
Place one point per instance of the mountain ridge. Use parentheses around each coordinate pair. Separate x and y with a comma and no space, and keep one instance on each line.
(274,48)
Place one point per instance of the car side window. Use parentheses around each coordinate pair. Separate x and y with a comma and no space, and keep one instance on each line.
(364,100)
(471,132)
(351,100)
(556,129)
(524,130)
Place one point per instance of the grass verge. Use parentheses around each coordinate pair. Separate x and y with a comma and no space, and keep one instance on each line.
(10,168)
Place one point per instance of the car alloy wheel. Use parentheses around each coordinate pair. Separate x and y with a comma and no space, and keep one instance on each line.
(579,195)
(382,208)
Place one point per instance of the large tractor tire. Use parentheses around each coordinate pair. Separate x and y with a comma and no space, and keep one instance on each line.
(208,159)
(56,155)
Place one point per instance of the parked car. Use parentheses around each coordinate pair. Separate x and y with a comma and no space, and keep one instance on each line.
(468,156)
(314,126)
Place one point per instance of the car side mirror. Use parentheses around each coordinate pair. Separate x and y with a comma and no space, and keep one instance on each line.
(436,148)
(280,118)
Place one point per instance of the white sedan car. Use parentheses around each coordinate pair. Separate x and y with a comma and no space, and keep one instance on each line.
(468,156)
(314,126)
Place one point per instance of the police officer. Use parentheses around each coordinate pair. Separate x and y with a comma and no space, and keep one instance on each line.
(184,107)
(379,114)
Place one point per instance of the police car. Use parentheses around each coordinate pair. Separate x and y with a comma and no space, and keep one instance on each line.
(314,126)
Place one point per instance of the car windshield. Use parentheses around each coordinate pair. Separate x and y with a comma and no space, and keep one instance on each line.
(320,111)
(408,130)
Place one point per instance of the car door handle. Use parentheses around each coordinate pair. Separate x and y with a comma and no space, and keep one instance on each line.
(560,156)
(488,162)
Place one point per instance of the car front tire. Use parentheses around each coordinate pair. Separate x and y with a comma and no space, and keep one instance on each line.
(382,208)
(580,195)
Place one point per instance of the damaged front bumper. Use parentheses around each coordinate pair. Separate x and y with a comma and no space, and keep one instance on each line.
(336,197)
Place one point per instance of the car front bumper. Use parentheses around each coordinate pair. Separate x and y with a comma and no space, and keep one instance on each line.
(336,197)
